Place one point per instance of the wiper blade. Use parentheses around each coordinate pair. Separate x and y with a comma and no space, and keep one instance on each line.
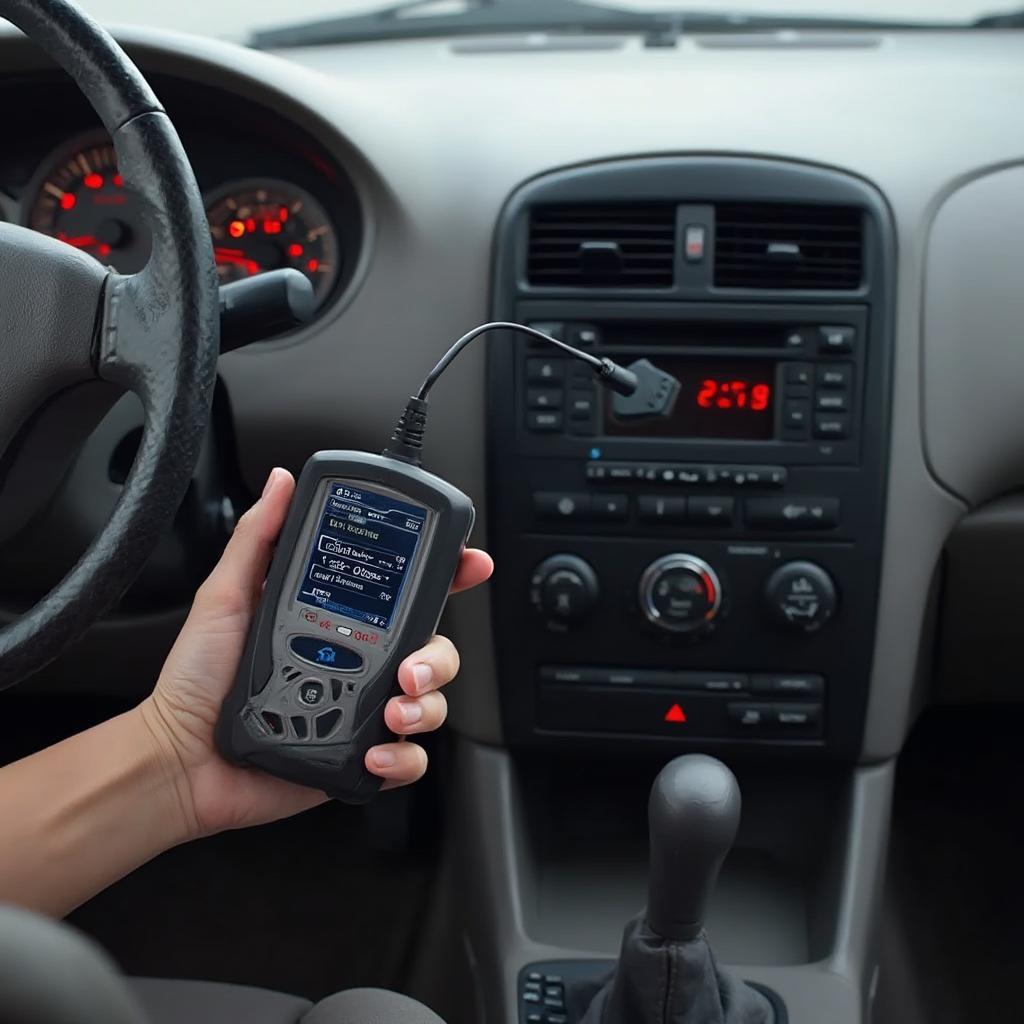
(483,17)
(495,17)
(1008,19)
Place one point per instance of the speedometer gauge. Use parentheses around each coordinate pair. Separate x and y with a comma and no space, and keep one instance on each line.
(81,199)
(261,224)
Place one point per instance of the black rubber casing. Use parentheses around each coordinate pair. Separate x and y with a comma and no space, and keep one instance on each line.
(338,768)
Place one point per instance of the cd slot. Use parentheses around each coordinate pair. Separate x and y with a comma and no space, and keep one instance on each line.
(696,334)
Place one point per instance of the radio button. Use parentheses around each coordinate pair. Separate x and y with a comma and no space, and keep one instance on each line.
(750,716)
(655,509)
(706,511)
(544,398)
(831,426)
(583,335)
(831,401)
(793,513)
(752,476)
(836,339)
(545,371)
(797,415)
(799,373)
(581,405)
(788,685)
(544,422)
(797,716)
(609,506)
(837,376)
(561,505)
(688,475)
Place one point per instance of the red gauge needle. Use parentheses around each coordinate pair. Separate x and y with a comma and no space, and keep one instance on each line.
(87,242)
(237,257)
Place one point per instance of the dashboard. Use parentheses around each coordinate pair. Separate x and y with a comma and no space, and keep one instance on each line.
(431,169)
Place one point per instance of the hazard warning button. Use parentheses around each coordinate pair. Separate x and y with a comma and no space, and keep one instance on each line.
(675,714)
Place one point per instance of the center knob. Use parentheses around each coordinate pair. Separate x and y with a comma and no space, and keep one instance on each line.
(680,593)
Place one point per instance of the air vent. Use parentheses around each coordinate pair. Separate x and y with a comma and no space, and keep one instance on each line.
(782,245)
(602,245)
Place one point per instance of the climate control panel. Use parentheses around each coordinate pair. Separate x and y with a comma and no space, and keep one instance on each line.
(697,641)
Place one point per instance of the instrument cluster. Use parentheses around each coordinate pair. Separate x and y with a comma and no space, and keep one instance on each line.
(274,197)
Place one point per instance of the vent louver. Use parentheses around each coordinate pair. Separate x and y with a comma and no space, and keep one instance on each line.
(609,245)
(788,245)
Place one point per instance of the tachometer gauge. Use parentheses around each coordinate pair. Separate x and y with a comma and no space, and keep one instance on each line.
(263,224)
(81,199)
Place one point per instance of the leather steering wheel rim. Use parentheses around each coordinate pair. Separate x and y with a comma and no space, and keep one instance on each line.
(156,332)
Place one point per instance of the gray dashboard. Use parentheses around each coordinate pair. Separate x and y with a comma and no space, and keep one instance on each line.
(435,149)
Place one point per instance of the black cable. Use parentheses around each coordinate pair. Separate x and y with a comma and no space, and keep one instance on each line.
(501,325)
(407,438)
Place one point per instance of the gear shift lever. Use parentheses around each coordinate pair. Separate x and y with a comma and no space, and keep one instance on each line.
(693,811)
(667,972)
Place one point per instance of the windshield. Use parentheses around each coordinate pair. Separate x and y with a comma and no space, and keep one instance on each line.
(238,19)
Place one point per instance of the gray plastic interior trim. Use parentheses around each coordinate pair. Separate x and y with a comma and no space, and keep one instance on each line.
(973,320)
(505,917)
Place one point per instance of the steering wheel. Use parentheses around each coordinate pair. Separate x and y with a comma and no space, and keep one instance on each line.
(65,321)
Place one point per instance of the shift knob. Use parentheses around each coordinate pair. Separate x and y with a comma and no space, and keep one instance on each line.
(694,811)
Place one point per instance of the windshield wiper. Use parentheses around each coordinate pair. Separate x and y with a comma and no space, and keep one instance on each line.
(1008,19)
(481,17)
(413,20)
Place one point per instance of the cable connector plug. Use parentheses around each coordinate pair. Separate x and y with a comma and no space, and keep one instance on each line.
(407,437)
(616,377)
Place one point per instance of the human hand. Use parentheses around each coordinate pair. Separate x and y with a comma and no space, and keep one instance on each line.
(182,710)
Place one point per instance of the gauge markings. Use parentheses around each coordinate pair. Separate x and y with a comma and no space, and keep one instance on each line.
(262,225)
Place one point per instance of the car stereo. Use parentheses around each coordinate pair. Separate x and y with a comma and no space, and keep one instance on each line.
(786,383)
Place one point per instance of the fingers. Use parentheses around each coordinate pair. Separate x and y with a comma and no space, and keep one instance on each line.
(237,579)
(397,763)
(429,668)
(407,716)
(475,567)
(421,675)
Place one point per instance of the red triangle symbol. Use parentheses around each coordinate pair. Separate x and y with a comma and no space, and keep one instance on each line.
(675,714)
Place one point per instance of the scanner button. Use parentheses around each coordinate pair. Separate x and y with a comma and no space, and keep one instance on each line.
(311,692)
(317,651)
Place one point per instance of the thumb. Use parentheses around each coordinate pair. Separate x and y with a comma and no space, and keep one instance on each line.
(237,580)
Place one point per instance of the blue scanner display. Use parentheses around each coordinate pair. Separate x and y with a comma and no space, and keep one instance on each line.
(363,550)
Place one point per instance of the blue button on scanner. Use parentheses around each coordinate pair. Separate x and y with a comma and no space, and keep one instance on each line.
(316,651)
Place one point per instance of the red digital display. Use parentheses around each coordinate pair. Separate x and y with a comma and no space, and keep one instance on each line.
(732,393)
(728,400)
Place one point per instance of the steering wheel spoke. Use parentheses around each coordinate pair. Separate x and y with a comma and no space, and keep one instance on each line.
(52,297)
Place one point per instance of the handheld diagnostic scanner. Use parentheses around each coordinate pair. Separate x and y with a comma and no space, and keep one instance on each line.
(358,581)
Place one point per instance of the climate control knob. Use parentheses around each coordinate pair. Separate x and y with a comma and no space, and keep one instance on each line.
(801,596)
(564,589)
(680,593)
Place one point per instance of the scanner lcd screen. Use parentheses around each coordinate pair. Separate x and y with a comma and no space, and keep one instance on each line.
(363,550)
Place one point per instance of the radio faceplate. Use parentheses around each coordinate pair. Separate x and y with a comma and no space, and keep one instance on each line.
(709,579)
(812,359)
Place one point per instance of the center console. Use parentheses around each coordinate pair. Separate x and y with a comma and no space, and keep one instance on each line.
(701,570)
